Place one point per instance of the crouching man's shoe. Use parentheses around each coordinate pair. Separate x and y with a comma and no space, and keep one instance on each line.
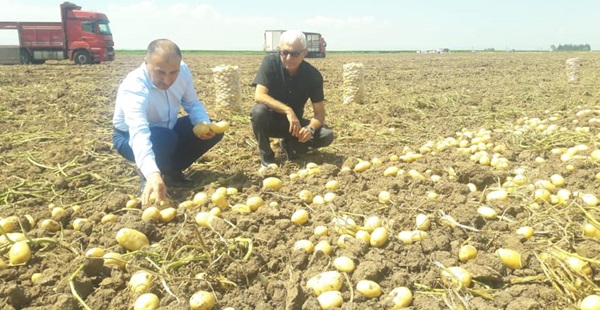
(293,149)
(177,176)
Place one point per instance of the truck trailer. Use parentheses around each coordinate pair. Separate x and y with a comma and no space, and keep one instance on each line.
(315,43)
(82,36)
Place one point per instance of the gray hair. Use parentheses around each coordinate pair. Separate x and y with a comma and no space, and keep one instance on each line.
(163,47)
(291,36)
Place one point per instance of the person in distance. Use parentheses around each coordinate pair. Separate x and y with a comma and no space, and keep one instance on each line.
(147,128)
(284,82)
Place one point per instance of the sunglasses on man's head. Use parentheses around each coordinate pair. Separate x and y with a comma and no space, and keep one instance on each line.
(284,53)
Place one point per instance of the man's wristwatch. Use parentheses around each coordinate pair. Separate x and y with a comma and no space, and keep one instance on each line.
(312,130)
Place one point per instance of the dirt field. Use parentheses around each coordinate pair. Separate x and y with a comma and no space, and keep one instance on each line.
(457,126)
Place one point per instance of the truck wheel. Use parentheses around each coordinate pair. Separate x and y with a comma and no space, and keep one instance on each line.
(82,57)
(25,58)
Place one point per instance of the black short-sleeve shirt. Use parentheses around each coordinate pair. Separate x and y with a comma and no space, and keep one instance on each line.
(292,91)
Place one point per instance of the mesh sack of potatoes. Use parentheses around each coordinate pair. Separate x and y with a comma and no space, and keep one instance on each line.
(573,71)
(353,82)
(228,89)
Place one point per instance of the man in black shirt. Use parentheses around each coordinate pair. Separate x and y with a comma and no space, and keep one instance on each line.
(284,83)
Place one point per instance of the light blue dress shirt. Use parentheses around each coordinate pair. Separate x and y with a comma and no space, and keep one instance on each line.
(140,105)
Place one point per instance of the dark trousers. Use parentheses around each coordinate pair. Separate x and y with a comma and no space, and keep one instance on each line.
(174,149)
(267,123)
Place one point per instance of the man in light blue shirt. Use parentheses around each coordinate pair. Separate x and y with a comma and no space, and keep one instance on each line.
(148,130)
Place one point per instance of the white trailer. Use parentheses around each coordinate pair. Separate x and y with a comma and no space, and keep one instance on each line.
(315,43)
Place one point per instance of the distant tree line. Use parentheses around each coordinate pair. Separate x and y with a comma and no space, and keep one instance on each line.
(571,47)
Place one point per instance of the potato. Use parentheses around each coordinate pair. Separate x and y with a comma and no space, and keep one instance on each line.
(331,299)
(300,217)
(379,236)
(344,264)
(201,129)
(332,185)
(114,259)
(13,237)
(95,253)
(132,203)
(50,225)
(272,183)
(131,239)
(200,198)
(510,258)
(36,277)
(590,302)
(305,245)
(325,282)
(467,253)
(323,246)
(140,282)
(254,202)
(147,301)
(9,223)
(151,213)
(456,276)
(202,300)
(219,127)
(368,288)
(399,297)
(167,215)
(79,222)
(19,253)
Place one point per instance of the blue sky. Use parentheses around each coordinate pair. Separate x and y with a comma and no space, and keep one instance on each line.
(346,25)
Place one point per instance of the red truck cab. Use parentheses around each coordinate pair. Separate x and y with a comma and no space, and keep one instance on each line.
(81,36)
(88,37)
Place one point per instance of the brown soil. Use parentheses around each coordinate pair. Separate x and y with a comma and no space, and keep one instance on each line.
(55,150)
